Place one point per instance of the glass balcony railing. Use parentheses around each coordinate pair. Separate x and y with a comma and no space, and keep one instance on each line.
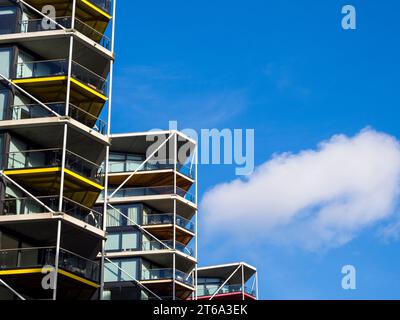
(203,290)
(59,67)
(151,191)
(132,165)
(47,158)
(36,25)
(26,206)
(39,257)
(168,218)
(155,245)
(166,274)
(29,111)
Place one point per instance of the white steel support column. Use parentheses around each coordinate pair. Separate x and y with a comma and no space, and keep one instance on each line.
(57,259)
(243,282)
(196,158)
(175,159)
(257,285)
(107,159)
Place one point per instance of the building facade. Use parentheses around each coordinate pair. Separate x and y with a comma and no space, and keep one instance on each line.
(53,89)
(85,214)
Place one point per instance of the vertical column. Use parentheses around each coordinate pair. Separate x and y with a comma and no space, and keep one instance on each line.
(196,158)
(57,260)
(175,146)
(243,282)
(107,160)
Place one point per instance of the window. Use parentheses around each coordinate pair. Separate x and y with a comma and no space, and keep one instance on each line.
(130,268)
(115,219)
(8,19)
(121,162)
(123,241)
(3,104)
(5,59)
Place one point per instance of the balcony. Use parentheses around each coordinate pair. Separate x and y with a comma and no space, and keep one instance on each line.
(156,246)
(161,281)
(30,111)
(36,25)
(168,218)
(151,165)
(22,269)
(47,81)
(161,226)
(166,274)
(97,13)
(151,191)
(28,206)
(228,291)
(40,170)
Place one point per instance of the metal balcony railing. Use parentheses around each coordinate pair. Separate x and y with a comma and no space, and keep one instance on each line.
(24,258)
(151,191)
(168,218)
(151,165)
(25,206)
(42,24)
(166,274)
(29,111)
(156,245)
(59,67)
(47,158)
(204,290)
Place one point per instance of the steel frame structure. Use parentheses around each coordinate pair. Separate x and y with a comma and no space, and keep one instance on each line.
(172,136)
(65,127)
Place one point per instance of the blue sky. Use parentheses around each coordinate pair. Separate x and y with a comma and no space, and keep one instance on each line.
(286,69)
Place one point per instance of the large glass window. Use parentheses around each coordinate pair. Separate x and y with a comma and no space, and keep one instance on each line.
(130,215)
(113,271)
(3,103)
(123,241)
(121,162)
(8,19)
(5,59)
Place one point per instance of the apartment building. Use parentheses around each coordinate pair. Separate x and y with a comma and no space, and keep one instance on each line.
(86,214)
(151,245)
(53,89)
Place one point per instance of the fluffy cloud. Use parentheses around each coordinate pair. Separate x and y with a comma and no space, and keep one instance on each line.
(316,198)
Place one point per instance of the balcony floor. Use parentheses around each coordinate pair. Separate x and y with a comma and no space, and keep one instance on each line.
(46,181)
(28,282)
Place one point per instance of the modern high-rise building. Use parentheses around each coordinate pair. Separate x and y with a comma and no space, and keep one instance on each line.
(55,59)
(151,250)
(86,214)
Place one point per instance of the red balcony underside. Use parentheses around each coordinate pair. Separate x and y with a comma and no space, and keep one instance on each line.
(235,296)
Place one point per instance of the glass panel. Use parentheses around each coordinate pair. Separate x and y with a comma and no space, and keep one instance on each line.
(5,58)
(130,267)
(110,272)
(130,241)
(112,242)
(7,20)
(133,215)
(113,218)
(3,103)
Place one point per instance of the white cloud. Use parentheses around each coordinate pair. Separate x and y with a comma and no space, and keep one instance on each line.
(315,199)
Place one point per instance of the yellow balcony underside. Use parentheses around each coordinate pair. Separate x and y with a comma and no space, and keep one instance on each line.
(21,272)
(52,89)
(46,181)
(86,11)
